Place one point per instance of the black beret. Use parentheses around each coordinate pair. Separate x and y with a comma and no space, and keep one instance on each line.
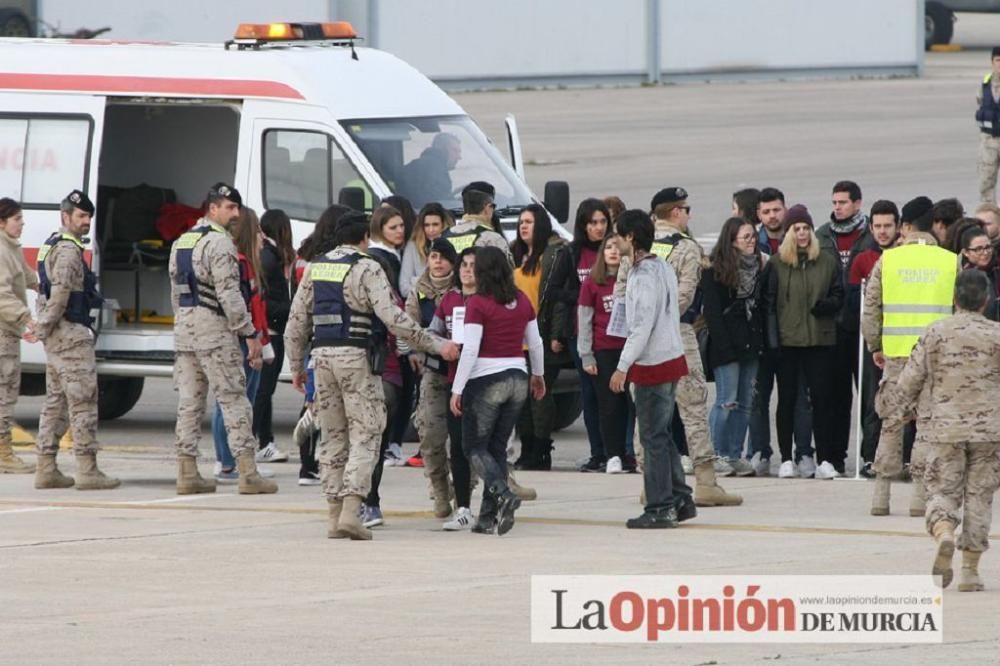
(226,192)
(81,201)
(668,195)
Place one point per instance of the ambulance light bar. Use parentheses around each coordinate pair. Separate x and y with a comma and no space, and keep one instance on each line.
(260,33)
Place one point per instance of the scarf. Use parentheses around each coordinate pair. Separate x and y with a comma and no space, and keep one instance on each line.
(434,287)
(483,220)
(747,272)
(848,226)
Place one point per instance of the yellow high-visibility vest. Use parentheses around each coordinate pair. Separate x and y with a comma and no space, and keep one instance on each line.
(918,285)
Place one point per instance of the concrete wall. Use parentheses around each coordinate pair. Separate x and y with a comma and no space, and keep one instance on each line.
(483,43)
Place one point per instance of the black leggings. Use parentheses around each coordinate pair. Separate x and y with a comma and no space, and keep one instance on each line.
(391,408)
(817,365)
(461,474)
(263,409)
(612,408)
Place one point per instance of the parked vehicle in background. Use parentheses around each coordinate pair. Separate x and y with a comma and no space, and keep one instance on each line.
(939,17)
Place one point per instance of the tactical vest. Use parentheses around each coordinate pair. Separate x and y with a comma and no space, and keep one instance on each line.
(192,291)
(464,240)
(335,324)
(80,303)
(918,284)
(988,113)
(427,309)
(663,247)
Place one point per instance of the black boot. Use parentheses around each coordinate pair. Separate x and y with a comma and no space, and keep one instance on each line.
(654,520)
(541,461)
(507,504)
(486,522)
(686,509)
(528,457)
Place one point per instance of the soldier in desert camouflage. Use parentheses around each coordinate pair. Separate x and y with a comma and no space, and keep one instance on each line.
(957,363)
(339,308)
(209,315)
(68,293)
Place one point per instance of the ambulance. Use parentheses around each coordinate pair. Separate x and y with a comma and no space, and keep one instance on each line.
(296,115)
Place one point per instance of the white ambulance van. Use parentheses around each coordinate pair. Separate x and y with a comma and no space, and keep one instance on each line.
(294,115)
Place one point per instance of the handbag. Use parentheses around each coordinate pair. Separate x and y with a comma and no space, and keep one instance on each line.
(704,343)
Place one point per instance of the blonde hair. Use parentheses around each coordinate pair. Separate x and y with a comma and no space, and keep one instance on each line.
(989,208)
(788,251)
(419,238)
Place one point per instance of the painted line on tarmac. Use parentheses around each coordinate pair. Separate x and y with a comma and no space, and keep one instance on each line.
(167,504)
(31,509)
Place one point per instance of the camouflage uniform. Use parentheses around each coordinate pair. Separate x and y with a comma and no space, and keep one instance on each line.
(15,279)
(431,418)
(957,364)
(989,151)
(349,399)
(208,354)
(71,368)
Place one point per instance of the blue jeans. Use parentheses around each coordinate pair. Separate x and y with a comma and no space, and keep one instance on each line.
(730,415)
(588,399)
(491,406)
(222,452)
(760,419)
(662,474)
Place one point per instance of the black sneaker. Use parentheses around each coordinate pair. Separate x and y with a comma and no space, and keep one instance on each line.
(484,525)
(594,465)
(867,471)
(508,504)
(687,510)
(659,520)
(630,464)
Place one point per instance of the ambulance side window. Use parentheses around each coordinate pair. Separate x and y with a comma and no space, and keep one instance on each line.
(304,172)
(43,158)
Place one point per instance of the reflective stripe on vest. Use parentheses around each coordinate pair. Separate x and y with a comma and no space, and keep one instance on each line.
(664,247)
(463,241)
(80,303)
(334,322)
(918,284)
(191,291)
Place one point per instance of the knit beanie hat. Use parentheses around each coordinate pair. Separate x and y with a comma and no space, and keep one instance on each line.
(798,213)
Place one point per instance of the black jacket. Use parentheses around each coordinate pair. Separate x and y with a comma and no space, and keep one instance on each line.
(276,294)
(734,333)
(846,319)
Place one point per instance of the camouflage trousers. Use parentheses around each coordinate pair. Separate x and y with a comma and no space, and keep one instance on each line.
(70,400)
(221,370)
(692,398)
(431,421)
(960,480)
(889,454)
(989,162)
(350,406)
(10,381)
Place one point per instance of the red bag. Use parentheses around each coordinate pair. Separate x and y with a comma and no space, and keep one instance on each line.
(175,219)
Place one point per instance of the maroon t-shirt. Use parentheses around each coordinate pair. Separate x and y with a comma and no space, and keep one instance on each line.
(588,258)
(503,325)
(451,300)
(774,244)
(601,298)
(844,244)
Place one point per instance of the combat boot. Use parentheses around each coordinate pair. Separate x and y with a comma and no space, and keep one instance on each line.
(333,530)
(523,493)
(89,477)
(880,498)
(918,503)
(10,463)
(349,521)
(944,534)
(442,496)
(47,475)
(707,492)
(189,481)
(968,577)
(251,482)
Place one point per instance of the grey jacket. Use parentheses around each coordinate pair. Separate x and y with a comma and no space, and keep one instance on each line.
(651,310)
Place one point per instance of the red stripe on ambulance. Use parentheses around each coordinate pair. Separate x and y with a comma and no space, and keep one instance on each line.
(161,85)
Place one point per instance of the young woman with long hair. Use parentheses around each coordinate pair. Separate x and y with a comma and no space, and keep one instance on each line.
(491,383)
(733,310)
(432,220)
(276,260)
(804,295)
(249,241)
(600,352)
(593,222)
(536,252)
(388,236)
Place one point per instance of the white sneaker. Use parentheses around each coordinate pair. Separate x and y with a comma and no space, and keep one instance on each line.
(460,520)
(614,465)
(687,465)
(761,466)
(271,454)
(394,456)
(826,471)
(722,468)
(807,467)
(787,470)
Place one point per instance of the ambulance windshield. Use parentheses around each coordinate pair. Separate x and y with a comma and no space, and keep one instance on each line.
(432,158)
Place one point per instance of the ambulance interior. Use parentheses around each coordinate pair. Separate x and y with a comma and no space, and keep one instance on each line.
(158,159)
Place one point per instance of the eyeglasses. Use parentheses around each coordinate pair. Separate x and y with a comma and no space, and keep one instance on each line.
(686,209)
(981,249)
